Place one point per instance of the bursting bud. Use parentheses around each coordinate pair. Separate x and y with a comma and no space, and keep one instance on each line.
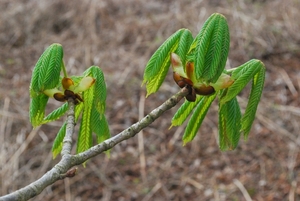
(223,82)
(84,84)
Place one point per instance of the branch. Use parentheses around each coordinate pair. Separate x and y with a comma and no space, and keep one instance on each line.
(62,169)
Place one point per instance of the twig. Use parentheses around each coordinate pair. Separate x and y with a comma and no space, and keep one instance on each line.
(67,142)
(3,154)
(242,189)
(68,161)
(152,192)
(141,139)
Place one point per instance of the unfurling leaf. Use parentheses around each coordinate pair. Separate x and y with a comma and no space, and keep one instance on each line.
(255,95)
(229,124)
(93,110)
(158,65)
(241,76)
(56,114)
(58,141)
(46,72)
(184,111)
(99,88)
(37,109)
(85,133)
(197,118)
(210,48)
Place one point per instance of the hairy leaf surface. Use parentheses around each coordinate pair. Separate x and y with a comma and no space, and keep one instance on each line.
(37,109)
(56,114)
(100,126)
(197,118)
(255,95)
(46,72)
(229,124)
(158,65)
(184,44)
(184,111)
(58,141)
(242,77)
(210,48)
(85,132)
(99,88)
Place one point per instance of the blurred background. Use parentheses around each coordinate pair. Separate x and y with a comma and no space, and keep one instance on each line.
(120,36)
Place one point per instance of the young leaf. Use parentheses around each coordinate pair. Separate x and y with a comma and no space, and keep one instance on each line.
(100,126)
(58,141)
(229,124)
(37,109)
(158,65)
(243,75)
(184,111)
(85,132)
(55,114)
(46,72)
(184,44)
(99,87)
(197,118)
(210,48)
(255,94)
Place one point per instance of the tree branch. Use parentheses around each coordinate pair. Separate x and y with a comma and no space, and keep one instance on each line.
(59,171)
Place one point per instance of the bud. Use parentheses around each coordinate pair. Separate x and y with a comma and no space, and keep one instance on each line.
(51,92)
(59,97)
(177,65)
(204,90)
(67,82)
(223,82)
(84,84)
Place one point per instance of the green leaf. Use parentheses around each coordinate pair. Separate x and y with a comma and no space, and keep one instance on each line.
(255,94)
(56,114)
(184,111)
(85,132)
(184,44)
(37,109)
(210,48)
(58,141)
(99,88)
(100,126)
(229,124)
(242,75)
(46,72)
(197,118)
(158,65)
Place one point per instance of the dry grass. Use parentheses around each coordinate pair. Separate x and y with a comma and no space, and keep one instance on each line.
(120,36)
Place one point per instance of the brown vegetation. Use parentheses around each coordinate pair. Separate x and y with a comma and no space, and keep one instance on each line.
(120,36)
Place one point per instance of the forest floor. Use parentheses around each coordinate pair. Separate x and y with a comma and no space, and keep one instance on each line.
(120,37)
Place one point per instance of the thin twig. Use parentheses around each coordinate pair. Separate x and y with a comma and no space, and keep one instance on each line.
(67,142)
(3,153)
(68,161)
(141,139)
(242,189)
